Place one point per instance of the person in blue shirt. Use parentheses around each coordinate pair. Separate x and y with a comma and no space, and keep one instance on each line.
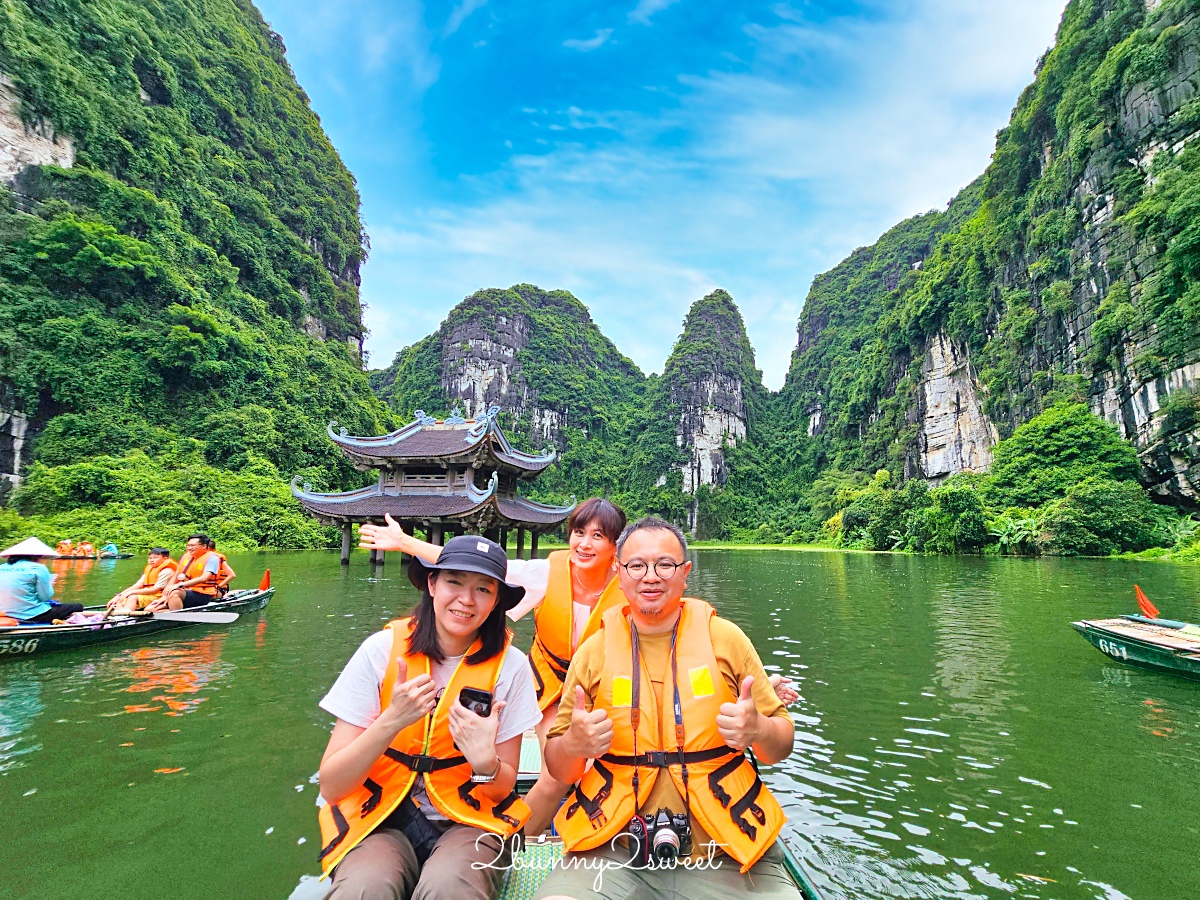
(27,588)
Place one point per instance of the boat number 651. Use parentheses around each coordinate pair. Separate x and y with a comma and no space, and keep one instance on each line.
(18,645)
(1113,649)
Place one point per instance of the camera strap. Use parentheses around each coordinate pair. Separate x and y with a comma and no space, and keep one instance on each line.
(635,710)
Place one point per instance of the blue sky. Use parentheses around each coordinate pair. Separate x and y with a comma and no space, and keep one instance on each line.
(641,153)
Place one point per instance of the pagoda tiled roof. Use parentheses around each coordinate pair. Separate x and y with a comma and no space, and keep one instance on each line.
(373,502)
(426,439)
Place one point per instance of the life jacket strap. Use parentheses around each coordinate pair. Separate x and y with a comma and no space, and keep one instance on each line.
(557,663)
(593,806)
(716,775)
(660,759)
(422,764)
(343,829)
(747,804)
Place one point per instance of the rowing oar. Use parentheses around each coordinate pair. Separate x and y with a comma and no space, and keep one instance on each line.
(187,615)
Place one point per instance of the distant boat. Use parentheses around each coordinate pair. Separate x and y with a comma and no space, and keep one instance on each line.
(27,641)
(1160,644)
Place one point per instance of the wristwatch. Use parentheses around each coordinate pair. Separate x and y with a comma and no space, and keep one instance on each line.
(486,779)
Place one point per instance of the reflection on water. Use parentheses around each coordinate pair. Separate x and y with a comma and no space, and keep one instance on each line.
(20,704)
(176,672)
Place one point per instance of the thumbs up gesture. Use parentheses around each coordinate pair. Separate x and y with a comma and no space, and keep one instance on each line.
(412,698)
(740,723)
(591,732)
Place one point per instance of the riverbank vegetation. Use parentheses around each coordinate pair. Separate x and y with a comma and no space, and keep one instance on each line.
(1064,483)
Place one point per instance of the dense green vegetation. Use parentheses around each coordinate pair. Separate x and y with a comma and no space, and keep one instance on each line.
(1003,269)
(166,297)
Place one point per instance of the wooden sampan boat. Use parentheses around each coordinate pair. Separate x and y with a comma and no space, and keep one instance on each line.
(1159,644)
(26,641)
(538,854)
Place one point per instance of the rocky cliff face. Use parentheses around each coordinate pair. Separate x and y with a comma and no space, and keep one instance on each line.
(24,144)
(1066,271)
(522,349)
(954,434)
(710,380)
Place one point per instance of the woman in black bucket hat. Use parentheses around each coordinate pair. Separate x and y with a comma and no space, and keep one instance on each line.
(419,773)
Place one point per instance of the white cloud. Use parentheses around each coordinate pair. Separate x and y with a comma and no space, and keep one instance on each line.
(459,15)
(769,177)
(592,43)
(646,8)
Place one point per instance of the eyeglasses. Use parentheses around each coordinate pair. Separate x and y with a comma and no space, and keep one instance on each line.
(664,568)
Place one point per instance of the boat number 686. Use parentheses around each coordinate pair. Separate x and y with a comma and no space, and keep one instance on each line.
(18,645)
(1113,649)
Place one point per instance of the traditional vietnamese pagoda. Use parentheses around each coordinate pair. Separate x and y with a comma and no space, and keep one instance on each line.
(440,476)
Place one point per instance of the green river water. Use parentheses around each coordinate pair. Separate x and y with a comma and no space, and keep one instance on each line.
(955,737)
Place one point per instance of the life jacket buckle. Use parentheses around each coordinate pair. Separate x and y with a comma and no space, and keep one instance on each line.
(657,759)
(422,764)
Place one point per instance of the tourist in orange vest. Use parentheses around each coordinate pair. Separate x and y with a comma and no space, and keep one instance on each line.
(195,581)
(155,577)
(569,592)
(225,573)
(85,550)
(418,787)
(665,700)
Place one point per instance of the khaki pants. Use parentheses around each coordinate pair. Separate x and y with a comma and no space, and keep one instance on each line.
(767,878)
(384,867)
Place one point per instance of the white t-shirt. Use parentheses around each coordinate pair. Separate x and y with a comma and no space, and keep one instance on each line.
(354,697)
(534,576)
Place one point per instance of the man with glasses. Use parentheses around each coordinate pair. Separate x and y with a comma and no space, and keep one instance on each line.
(671,705)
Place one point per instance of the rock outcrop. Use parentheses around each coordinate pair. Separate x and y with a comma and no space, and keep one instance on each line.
(711,382)
(954,433)
(1073,282)
(23,144)
(523,350)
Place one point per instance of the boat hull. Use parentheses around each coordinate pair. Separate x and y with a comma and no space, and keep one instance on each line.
(28,641)
(1144,653)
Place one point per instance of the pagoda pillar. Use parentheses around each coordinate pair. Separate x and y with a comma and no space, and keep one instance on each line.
(503,542)
(347,528)
(520,542)
(435,535)
(533,545)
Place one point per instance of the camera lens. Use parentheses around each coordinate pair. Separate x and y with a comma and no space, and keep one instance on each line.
(666,843)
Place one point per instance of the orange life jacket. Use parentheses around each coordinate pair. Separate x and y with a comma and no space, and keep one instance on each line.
(65,548)
(194,568)
(224,573)
(425,747)
(85,548)
(554,619)
(151,572)
(723,790)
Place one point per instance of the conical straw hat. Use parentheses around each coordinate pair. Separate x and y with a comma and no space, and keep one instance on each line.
(29,547)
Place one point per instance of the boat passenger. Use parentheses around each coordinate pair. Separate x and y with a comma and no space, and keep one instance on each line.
(418,785)
(568,592)
(85,550)
(195,580)
(155,577)
(225,573)
(665,701)
(27,587)
(66,548)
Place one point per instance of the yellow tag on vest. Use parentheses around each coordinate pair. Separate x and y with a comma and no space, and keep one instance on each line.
(702,683)
(622,691)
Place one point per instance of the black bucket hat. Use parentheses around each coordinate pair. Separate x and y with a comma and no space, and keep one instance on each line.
(470,553)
